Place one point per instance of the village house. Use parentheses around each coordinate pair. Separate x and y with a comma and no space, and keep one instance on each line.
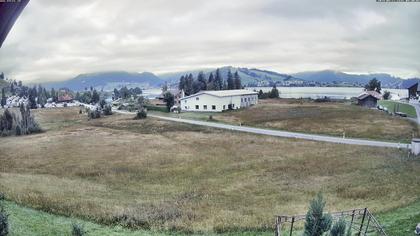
(369,98)
(218,101)
(414,91)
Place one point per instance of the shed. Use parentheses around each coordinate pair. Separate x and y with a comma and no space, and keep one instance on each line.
(369,98)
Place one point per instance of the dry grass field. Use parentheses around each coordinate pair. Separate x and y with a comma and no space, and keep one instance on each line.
(158,175)
(331,118)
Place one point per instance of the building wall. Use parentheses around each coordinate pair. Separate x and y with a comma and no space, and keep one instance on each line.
(368,102)
(209,103)
(412,91)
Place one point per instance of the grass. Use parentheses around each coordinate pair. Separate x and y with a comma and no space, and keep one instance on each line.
(332,118)
(160,176)
(25,221)
(393,106)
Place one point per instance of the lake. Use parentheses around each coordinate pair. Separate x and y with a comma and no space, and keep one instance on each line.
(306,92)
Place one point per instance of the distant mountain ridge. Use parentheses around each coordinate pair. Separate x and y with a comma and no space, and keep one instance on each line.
(109,81)
(250,77)
(330,76)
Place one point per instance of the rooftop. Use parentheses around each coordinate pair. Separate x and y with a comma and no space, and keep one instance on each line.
(225,93)
(366,94)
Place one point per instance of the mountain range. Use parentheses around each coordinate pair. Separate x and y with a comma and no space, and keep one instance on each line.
(250,77)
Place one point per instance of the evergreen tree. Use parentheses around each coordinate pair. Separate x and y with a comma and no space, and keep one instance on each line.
(189,85)
(317,223)
(2,76)
(181,85)
(196,86)
(230,81)
(238,83)
(339,228)
(95,97)
(77,96)
(54,95)
(218,81)
(210,83)
(32,98)
(201,78)
(3,98)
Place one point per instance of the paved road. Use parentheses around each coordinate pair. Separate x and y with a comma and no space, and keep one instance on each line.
(284,134)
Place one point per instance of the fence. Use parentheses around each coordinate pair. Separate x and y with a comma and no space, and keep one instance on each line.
(361,221)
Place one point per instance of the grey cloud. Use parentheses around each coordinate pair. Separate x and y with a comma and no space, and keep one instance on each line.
(55,40)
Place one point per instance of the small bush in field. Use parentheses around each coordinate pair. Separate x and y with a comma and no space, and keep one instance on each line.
(141,114)
(94,114)
(77,230)
(107,110)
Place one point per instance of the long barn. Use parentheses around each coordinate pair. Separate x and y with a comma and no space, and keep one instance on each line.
(218,101)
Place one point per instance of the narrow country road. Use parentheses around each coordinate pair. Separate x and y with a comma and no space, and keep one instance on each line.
(284,134)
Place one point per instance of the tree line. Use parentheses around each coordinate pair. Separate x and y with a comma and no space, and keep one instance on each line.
(215,81)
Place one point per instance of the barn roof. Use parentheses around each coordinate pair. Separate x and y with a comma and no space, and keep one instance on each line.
(366,94)
(417,85)
(225,93)
(9,12)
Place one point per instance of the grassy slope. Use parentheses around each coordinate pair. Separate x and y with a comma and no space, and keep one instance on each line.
(318,118)
(393,106)
(172,176)
(25,221)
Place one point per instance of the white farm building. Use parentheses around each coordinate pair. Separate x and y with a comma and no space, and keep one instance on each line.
(217,101)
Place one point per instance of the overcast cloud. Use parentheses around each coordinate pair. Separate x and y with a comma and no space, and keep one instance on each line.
(59,39)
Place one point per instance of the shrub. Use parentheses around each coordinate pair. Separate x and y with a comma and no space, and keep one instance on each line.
(94,114)
(317,223)
(141,114)
(4,223)
(387,95)
(339,228)
(107,110)
(10,123)
(77,230)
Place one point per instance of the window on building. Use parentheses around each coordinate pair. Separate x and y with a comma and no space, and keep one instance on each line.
(224,107)
(197,98)
(242,100)
(197,107)
(205,107)
(213,107)
(186,107)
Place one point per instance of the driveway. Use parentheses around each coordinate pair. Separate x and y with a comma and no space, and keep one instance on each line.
(284,134)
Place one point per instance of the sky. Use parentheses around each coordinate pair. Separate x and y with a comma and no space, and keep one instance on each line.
(56,40)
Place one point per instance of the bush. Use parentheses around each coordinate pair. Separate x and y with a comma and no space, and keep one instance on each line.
(77,230)
(387,95)
(11,123)
(339,228)
(141,114)
(107,110)
(94,114)
(4,222)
